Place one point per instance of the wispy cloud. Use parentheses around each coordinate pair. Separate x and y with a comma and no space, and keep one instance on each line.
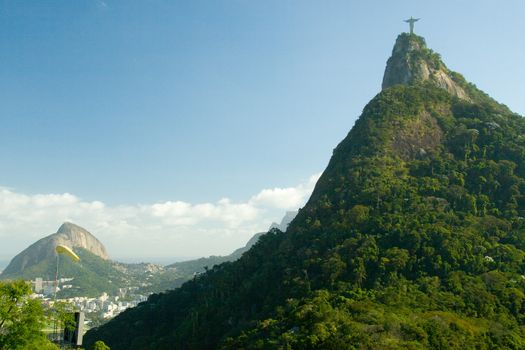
(171,228)
(101,5)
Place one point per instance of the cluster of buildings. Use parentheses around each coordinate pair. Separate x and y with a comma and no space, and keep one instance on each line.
(104,306)
(43,288)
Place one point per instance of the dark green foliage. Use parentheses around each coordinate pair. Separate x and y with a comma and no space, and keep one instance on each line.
(100,345)
(21,318)
(399,247)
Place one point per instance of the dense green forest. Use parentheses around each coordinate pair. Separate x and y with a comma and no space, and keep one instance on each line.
(413,238)
(23,318)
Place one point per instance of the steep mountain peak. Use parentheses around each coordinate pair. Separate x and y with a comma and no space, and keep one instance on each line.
(75,236)
(413,62)
(416,225)
(68,234)
(70,228)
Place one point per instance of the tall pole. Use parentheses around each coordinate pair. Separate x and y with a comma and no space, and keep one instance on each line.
(55,318)
(56,281)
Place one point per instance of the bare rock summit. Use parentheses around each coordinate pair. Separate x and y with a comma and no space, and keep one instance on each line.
(68,234)
(412,62)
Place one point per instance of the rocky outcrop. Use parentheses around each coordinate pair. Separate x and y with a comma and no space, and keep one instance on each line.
(412,62)
(68,234)
(286,220)
(75,236)
(417,137)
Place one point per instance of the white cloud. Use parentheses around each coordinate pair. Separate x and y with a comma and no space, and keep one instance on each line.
(285,198)
(171,228)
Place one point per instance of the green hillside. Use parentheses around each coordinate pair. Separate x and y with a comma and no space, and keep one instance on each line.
(92,275)
(414,238)
(191,267)
(176,274)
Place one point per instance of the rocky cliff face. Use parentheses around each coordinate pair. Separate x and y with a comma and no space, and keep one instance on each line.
(75,236)
(286,220)
(412,62)
(68,234)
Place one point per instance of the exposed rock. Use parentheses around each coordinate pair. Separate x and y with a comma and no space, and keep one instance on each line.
(286,220)
(68,234)
(417,137)
(412,62)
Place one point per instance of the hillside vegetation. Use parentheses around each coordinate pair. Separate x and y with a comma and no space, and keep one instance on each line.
(91,276)
(413,238)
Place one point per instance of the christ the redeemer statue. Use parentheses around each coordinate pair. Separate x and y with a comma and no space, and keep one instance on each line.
(411,21)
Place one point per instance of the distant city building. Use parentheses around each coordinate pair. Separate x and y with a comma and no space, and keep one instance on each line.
(38,285)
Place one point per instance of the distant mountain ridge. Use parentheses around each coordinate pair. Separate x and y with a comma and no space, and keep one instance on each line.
(96,273)
(68,234)
(174,275)
(285,221)
(197,265)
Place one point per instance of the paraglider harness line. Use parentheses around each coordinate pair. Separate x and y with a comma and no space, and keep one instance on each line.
(55,321)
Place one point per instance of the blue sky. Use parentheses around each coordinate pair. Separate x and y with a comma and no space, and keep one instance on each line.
(135,103)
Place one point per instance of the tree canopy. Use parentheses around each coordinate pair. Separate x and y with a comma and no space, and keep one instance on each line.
(22,319)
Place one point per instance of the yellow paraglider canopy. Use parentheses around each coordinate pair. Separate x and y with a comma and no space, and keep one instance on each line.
(62,249)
